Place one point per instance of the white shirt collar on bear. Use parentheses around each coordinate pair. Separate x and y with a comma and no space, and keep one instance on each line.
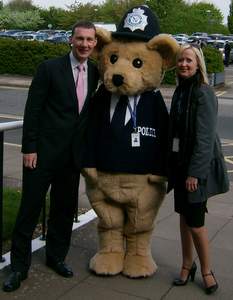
(114,100)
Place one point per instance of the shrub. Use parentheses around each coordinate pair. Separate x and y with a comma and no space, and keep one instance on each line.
(23,57)
(170,77)
(213,60)
(10,207)
(11,202)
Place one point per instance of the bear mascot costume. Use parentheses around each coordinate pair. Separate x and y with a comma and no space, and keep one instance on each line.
(125,158)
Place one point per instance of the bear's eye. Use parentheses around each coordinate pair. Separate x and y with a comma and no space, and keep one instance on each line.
(137,63)
(113,58)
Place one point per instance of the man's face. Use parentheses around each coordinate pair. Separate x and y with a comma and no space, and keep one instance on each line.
(83,42)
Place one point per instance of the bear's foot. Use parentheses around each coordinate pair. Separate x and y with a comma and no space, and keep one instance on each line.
(136,266)
(107,263)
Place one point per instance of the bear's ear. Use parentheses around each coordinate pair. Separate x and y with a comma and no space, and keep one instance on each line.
(103,37)
(167,47)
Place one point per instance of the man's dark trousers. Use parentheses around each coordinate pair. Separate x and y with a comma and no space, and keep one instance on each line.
(63,198)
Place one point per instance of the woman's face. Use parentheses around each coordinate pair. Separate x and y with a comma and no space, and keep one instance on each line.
(187,63)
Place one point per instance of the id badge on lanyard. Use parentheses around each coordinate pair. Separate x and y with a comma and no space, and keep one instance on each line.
(135,136)
(175,145)
(135,139)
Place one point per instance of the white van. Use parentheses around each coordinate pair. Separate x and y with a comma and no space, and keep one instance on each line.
(109,27)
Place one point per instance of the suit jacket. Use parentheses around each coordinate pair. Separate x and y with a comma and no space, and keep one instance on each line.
(200,153)
(52,125)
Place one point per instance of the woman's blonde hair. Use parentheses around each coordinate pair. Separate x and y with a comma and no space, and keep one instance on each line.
(200,60)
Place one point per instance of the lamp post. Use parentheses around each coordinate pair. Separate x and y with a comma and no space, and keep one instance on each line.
(208,11)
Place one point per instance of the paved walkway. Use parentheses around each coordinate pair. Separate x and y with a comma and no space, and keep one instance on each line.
(44,284)
(14,80)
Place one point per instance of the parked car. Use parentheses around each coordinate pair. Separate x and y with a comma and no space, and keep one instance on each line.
(18,35)
(9,33)
(40,37)
(50,32)
(56,39)
(182,34)
(199,34)
(181,39)
(216,36)
(69,33)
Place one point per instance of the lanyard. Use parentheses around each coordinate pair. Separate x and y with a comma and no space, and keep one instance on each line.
(133,112)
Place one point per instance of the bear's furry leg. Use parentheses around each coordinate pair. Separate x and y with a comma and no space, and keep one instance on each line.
(110,258)
(138,230)
(138,260)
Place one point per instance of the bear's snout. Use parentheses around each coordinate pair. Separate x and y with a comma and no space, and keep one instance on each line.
(117,80)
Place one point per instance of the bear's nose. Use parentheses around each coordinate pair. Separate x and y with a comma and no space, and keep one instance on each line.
(117,80)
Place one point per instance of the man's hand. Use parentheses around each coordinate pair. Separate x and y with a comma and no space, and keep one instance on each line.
(191,184)
(30,160)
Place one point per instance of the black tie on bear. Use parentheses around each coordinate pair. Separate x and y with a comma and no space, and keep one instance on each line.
(118,119)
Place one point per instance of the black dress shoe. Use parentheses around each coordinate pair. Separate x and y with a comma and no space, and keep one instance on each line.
(60,268)
(213,288)
(13,281)
(191,274)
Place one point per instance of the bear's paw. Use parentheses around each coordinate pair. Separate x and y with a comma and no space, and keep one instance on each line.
(107,263)
(136,266)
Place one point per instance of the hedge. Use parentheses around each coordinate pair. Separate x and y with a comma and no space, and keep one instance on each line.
(23,57)
(213,60)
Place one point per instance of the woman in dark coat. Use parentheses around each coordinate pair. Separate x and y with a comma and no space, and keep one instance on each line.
(194,147)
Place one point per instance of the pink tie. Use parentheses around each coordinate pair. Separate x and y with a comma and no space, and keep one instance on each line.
(80,87)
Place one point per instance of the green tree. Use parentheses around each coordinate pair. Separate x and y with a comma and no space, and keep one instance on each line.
(170,14)
(206,17)
(53,16)
(21,5)
(179,16)
(113,10)
(230,18)
(77,12)
(28,20)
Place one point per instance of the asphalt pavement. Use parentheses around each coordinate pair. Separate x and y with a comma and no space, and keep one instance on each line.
(45,284)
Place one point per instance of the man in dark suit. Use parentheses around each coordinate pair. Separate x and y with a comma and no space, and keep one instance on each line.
(53,132)
(227,51)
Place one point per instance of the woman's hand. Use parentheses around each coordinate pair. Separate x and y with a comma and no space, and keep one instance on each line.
(191,184)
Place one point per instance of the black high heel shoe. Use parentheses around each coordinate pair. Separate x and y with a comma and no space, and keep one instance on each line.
(191,274)
(210,289)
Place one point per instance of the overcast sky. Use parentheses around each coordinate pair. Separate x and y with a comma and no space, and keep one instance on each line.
(223,5)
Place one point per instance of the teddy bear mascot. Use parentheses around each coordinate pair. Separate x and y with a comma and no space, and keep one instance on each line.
(124,165)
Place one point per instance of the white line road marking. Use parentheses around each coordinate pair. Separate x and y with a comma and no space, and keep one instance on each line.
(218,94)
(13,145)
(229,159)
(14,117)
(227,143)
(5,87)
